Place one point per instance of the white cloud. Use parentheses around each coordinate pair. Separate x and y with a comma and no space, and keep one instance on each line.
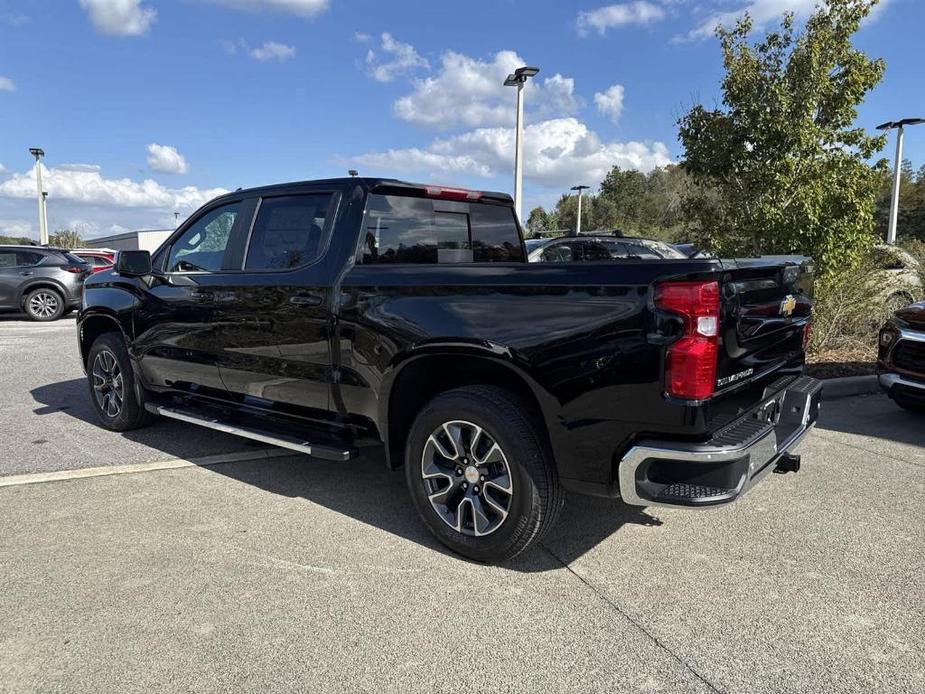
(6,84)
(166,159)
(85,184)
(610,16)
(362,37)
(762,13)
(557,153)
(15,227)
(467,92)
(15,19)
(271,50)
(3,169)
(120,17)
(402,59)
(610,102)
(301,8)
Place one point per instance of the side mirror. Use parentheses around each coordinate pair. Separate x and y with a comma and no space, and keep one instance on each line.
(134,263)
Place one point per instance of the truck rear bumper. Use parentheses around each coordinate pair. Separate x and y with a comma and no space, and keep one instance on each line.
(669,473)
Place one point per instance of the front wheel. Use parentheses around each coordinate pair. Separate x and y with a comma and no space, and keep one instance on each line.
(116,396)
(481,474)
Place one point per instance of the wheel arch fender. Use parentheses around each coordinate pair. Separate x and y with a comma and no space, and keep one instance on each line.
(429,370)
(39,283)
(93,323)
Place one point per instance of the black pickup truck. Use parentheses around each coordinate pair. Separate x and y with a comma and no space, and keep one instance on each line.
(330,315)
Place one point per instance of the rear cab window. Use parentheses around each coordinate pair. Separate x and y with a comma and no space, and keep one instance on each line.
(290,231)
(405,229)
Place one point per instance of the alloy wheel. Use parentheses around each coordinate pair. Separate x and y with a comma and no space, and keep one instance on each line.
(467,478)
(43,304)
(108,385)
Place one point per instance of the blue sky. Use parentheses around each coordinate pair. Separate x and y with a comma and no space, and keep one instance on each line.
(145,107)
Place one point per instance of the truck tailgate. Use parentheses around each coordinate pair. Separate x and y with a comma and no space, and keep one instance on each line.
(765,309)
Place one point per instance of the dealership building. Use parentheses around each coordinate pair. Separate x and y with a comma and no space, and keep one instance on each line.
(142,240)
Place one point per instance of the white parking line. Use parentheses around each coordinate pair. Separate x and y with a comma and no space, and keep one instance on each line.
(61,475)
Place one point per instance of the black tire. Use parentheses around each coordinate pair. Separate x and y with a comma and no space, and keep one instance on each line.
(108,366)
(535,498)
(43,304)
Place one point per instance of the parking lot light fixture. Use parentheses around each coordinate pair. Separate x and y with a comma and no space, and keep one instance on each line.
(579,188)
(897,165)
(518,79)
(38,153)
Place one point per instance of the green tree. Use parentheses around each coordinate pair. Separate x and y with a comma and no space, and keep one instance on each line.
(66,238)
(538,221)
(780,168)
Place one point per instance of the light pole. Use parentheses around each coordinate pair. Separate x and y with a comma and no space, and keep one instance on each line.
(518,79)
(578,223)
(38,153)
(894,200)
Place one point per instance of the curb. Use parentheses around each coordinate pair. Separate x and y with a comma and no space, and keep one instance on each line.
(846,386)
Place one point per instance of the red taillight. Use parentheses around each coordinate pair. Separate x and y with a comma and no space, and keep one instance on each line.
(452,193)
(806,333)
(690,363)
(76,269)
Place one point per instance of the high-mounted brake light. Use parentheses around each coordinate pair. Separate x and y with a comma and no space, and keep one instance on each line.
(690,363)
(452,193)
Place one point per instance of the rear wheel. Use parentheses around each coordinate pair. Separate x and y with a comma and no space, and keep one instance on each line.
(116,395)
(44,304)
(481,474)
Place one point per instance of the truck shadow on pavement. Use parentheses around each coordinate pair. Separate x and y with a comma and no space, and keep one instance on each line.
(362,489)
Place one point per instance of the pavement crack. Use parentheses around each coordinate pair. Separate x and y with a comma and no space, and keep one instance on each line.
(652,637)
(881,454)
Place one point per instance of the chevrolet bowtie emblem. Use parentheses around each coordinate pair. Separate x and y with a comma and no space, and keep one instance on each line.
(788,305)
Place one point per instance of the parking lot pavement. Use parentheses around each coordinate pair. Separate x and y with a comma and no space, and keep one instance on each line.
(295,574)
(48,422)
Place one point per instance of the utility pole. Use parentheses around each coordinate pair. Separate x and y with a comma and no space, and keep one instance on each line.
(518,79)
(38,153)
(579,188)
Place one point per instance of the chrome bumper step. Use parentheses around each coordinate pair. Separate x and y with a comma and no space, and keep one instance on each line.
(191,416)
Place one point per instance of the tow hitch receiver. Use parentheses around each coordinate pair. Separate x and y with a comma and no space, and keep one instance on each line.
(787,463)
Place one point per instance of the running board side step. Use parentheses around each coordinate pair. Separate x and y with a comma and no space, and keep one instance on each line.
(318,451)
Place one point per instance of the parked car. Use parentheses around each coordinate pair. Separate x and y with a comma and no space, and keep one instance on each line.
(901,358)
(99,259)
(326,316)
(43,282)
(897,280)
(691,251)
(567,249)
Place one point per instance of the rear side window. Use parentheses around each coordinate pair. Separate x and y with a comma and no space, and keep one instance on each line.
(289,232)
(400,229)
(19,258)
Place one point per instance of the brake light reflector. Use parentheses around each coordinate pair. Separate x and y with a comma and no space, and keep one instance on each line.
(73,268)
(690,362)
(452,193)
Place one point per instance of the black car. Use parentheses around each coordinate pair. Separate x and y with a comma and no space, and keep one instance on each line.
(567,249)
(901,358)
(327,316)
(43,282)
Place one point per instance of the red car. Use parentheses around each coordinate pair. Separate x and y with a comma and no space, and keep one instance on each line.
(99,258)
